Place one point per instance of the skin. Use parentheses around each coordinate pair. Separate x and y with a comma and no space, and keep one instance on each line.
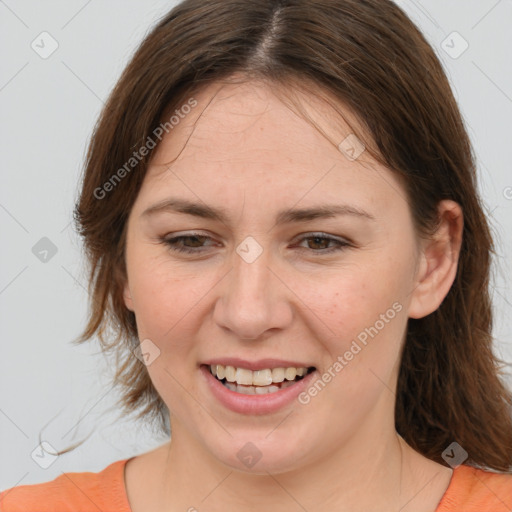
(243,150)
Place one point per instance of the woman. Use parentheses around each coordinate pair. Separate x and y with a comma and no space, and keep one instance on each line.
(280,211)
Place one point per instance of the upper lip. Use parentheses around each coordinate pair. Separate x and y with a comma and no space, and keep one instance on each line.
(260,364)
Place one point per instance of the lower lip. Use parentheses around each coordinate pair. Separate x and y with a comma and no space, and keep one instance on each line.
(255,404)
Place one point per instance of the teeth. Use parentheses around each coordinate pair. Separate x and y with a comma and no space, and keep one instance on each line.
(221,371)
(261,377)
(230,372)
(266,377)
(243,376)
(278,374)
(290,373)
(256,390)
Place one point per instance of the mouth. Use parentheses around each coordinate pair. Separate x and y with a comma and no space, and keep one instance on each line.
(258,382)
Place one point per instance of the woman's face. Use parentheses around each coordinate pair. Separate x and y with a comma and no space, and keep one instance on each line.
(269,286)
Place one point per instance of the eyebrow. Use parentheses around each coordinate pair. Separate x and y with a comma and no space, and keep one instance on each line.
(290,215)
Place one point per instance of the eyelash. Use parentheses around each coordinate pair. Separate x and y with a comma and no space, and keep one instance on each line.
(172,243)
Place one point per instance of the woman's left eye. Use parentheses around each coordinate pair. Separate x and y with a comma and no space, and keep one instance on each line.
(322,240)
(319,239)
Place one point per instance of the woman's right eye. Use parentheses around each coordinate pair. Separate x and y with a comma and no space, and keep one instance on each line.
(176,243)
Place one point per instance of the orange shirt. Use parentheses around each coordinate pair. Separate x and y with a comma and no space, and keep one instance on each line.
(470,490)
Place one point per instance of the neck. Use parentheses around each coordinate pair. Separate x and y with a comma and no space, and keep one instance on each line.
(397,476)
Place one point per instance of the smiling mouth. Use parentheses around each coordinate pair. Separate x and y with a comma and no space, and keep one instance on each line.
(259,382)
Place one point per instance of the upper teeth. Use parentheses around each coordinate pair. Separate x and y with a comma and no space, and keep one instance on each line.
(255,378)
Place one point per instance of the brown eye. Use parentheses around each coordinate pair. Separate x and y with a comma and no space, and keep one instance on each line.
(319,243)
(186,243)
(318,240)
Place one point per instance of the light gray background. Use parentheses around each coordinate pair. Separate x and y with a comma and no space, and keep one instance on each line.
(48,109)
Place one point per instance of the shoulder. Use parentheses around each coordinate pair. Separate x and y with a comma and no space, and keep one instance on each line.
(477,490)
(76,492)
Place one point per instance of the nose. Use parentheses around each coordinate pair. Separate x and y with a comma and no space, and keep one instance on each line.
(253,298)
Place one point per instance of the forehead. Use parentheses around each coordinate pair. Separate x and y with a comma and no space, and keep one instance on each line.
(245,138)
(248,117)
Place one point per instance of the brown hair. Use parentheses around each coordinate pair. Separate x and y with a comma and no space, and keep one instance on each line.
(371,57)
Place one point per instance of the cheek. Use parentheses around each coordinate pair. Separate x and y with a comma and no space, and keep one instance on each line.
(356,297)
(363,310)
(167,300)
(361,361)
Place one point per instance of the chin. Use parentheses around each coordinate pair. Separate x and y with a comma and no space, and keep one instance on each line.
(259,453)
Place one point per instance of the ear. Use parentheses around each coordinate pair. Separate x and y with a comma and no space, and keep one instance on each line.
(438,261)
(127,297)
